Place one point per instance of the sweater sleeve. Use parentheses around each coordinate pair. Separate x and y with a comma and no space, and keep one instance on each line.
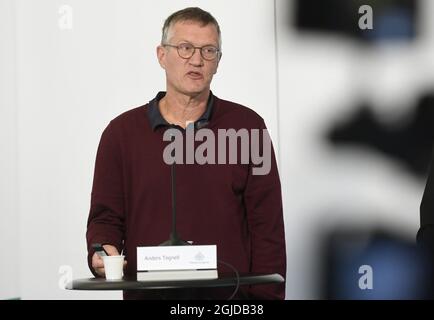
(106,220)
(263,201)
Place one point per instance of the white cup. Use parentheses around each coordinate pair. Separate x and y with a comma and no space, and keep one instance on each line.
(114,266)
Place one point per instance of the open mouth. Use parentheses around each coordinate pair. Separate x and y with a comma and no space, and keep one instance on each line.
(195,75)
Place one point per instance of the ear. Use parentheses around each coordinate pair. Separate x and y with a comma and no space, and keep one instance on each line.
(218,61)
(161,55)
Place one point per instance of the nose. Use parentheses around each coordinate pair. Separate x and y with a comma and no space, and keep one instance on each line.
(196,59)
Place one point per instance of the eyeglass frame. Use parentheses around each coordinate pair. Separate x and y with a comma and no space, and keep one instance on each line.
(218,51)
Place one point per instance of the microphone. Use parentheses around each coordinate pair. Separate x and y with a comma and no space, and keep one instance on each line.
(174,239)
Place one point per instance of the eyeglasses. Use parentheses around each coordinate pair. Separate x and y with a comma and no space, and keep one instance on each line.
(187,50)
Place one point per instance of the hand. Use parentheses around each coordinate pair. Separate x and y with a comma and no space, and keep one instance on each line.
(97,262)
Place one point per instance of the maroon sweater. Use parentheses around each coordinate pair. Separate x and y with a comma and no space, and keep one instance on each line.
(222,204)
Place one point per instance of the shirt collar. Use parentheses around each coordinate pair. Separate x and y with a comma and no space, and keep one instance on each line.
(156,119)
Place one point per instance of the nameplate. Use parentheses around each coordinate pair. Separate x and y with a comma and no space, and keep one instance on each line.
(176,257)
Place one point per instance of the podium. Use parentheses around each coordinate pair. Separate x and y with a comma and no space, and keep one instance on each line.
(224,280)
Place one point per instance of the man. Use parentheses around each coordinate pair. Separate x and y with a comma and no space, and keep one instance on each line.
(222,204)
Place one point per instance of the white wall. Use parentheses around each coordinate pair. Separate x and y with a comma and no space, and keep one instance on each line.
(73,82)
(9,237)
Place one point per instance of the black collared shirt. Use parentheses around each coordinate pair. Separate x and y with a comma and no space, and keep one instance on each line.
(156,119)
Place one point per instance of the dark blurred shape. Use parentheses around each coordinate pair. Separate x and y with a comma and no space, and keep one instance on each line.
(400,269)
(425,235)
(409,143)
(392,19)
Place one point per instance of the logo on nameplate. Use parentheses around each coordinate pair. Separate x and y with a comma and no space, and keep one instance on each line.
(199,256)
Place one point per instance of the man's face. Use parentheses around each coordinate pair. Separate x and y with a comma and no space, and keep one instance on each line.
(189,76)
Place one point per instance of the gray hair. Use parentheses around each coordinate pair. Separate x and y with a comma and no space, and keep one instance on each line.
(190,14)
